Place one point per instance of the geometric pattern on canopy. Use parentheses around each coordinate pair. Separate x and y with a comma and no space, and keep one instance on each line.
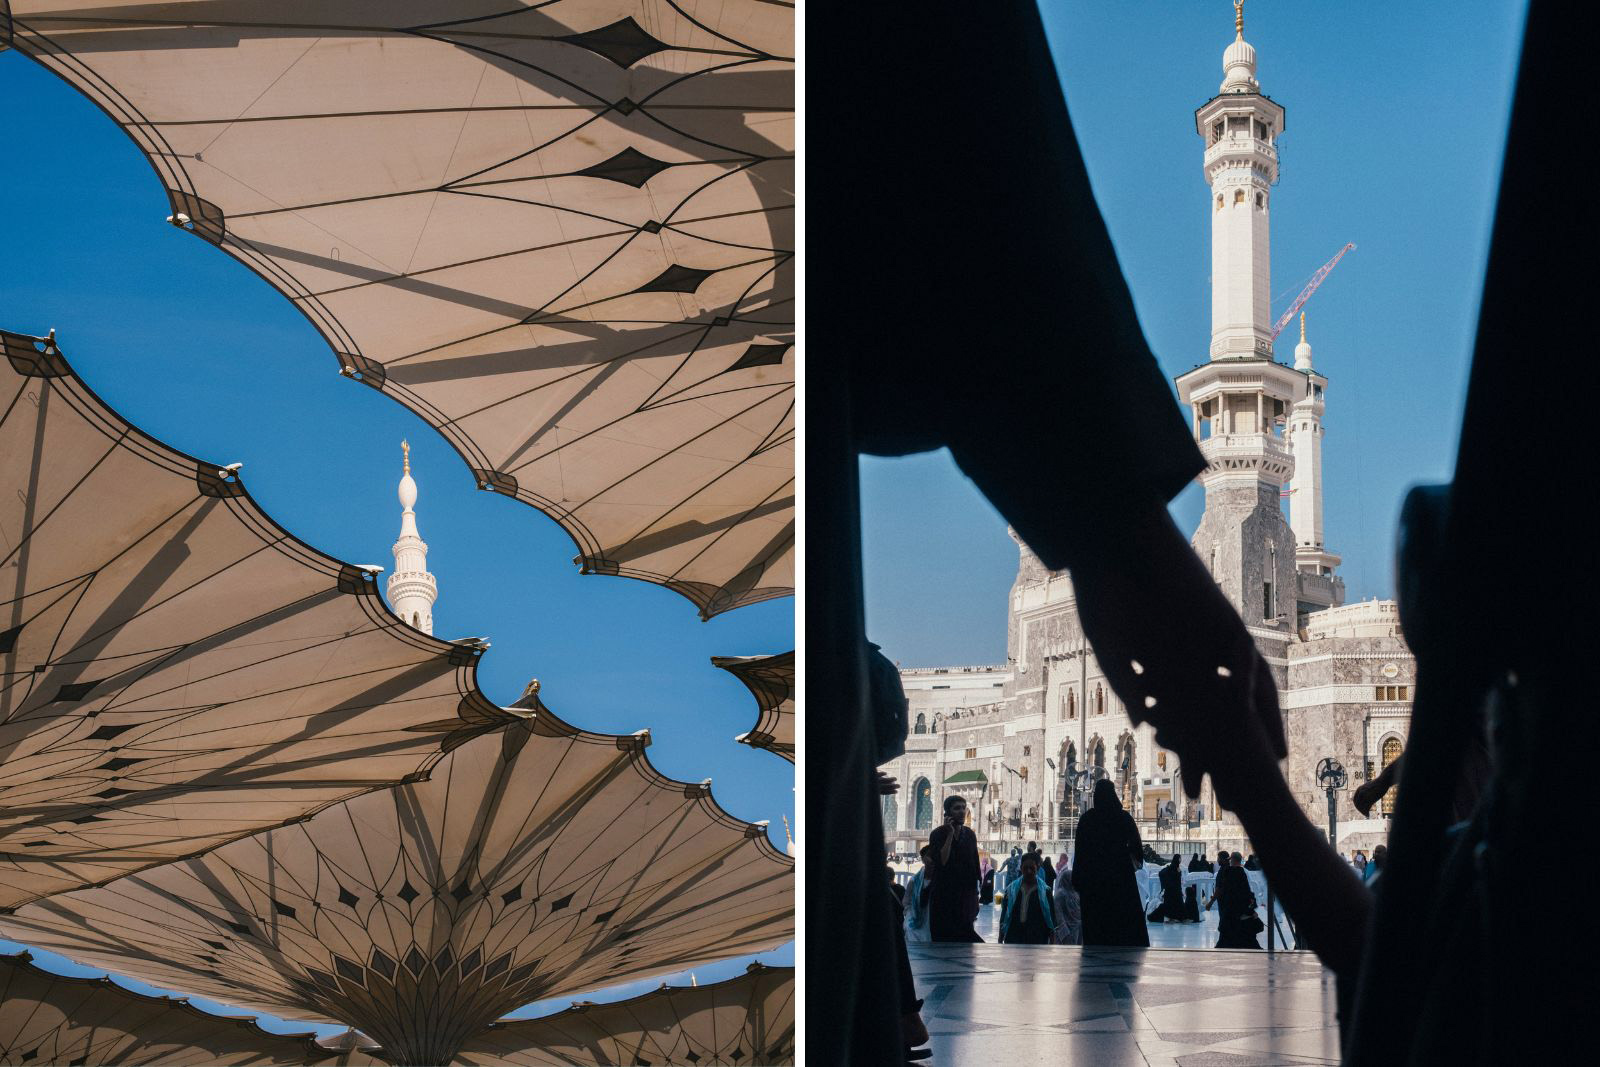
(50,1018)
(561,233)
(535,862)
(739,1022)
(771,679)
(179,671)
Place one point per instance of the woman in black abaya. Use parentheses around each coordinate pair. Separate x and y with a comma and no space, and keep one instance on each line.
(1102,872)
(1171,907)
(953,903)
(1236,906)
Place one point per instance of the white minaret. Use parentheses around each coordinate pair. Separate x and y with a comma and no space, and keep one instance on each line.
(1241,128)
(1304,430)
(412,589)
(1240,398)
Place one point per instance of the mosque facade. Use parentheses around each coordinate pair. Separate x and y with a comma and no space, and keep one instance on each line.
(1024,742)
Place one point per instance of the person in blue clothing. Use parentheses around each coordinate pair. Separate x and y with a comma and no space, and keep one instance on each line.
(916,900)
(1008,871)
(1029,918)
(1375,864)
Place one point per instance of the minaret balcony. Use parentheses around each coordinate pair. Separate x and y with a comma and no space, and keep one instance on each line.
(1267,456)
(403,582)
(1323,590)
(1253,150)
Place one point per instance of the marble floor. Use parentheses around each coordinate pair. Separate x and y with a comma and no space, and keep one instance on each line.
(1028,1004)
(1202,934)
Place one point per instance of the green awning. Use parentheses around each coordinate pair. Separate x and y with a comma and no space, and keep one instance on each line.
(966,778)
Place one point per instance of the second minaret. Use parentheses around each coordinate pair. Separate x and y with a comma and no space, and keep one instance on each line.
(412,589)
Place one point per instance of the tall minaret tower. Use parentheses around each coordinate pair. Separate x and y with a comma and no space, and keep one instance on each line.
(1240,398)
(1240,127)
(412,589)
(1258,421)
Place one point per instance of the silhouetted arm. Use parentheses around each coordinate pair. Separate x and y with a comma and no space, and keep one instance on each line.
(1368,793)
(1179,656)
(1330,905)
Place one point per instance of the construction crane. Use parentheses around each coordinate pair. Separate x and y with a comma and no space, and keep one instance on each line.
(1311,287)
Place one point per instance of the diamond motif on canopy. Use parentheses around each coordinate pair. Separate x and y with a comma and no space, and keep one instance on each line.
(182,671)
(471,205)
(652,877)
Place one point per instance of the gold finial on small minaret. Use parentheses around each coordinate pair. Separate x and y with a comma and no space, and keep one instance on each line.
(1302,327)
(1238,17)
(405,450)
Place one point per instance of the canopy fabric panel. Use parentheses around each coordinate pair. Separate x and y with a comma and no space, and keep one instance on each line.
(50,1018)
(743,1021)
(535,862)
(179,671)
(560,233)
(771,680)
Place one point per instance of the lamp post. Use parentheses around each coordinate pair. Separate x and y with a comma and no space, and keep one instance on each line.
(1006,816)
(1052,809)
(1331,777)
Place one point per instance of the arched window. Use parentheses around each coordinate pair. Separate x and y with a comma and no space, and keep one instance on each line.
(1099,750)
(923,813)
(1391,752)
(1099,703)
(922,725)
(415,621)
(937,719)
(1219,202)
(1072,704)
(1238,197)
(891,817)
(1261,201)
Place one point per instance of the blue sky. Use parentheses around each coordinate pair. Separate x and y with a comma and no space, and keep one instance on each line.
(191,347)
(1396,121)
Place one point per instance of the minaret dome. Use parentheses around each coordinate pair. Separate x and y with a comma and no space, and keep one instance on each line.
(1239,61)
(1302,351)
(408,484)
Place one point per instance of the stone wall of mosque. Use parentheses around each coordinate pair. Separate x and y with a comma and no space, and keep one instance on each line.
(1349,698)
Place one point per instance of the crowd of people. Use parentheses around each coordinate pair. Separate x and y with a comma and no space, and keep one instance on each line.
(1094,900)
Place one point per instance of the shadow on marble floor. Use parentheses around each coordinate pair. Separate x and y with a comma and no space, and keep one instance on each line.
(1027,1004)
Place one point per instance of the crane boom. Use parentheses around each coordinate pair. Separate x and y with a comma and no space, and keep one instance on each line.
(1311,287)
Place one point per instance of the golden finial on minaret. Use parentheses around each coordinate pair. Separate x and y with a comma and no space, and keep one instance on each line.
(1302,327)
(1238,17)
(405,450)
